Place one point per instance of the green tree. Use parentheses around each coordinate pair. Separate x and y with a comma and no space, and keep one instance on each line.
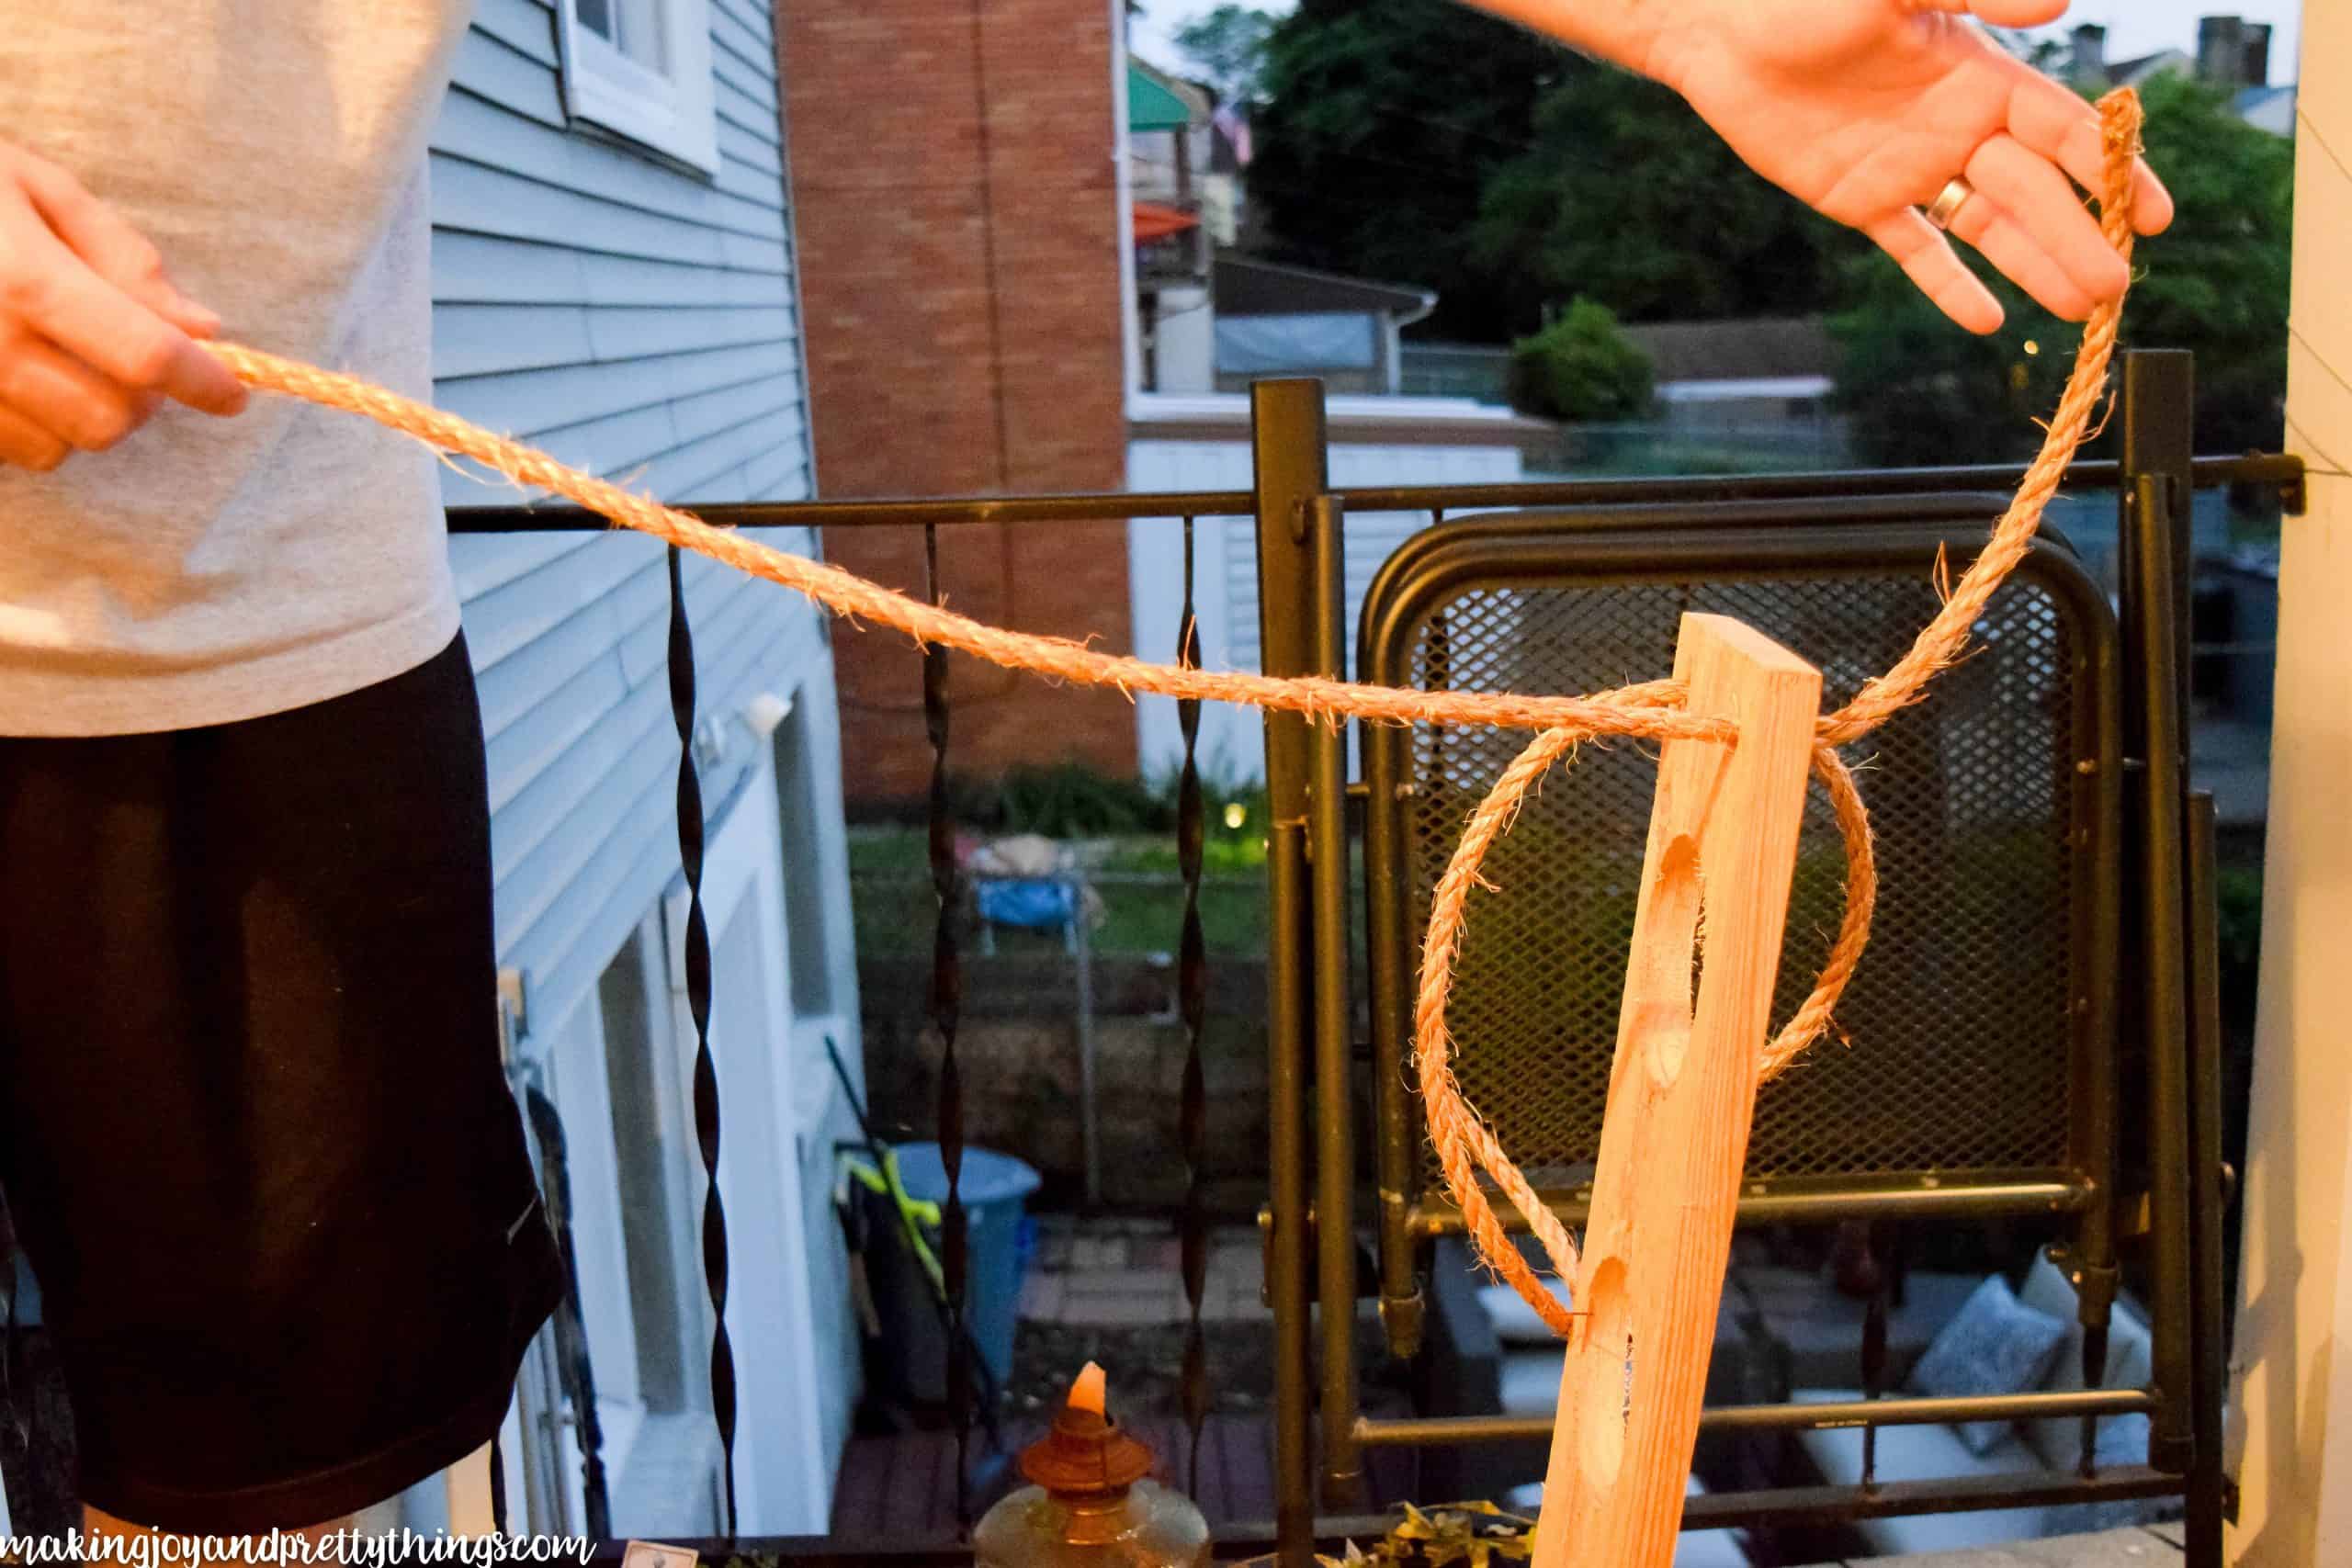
(1227,44)
(1626,195)
(1381,121)
(1917,391)
(1581,366)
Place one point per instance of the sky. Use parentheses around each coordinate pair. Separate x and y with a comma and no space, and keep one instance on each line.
(2133,27)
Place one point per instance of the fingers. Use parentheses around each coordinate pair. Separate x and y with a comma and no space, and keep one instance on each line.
(25,445)
(2049,120)
(53,291)
(2015,13)
(112,248)
(2027,210)
(1940,275)
(2000,12)
(2002,240)
(66,398)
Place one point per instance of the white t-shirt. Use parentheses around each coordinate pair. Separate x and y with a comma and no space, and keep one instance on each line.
(207,571)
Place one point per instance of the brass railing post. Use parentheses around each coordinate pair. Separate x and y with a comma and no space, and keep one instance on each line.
(1286,435)
(2156,416)
(1335,1145)
(2208,1369)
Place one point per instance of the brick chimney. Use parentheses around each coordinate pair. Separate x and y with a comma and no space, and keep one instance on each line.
(2255,58)
(957,210)
(2220,51)
(2089,62)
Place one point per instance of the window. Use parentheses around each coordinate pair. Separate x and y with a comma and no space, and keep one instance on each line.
(641,69)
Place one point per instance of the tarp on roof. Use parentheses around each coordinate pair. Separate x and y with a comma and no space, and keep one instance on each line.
(1151,107)
(1270,345)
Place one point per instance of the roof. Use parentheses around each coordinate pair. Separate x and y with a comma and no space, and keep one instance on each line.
(1755,348)
(2134,72)
(2269,109)
(2139,67)
(1157,101)
(1245,287)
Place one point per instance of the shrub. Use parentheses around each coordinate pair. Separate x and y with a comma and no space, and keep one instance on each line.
(1581,366)
(1063,800)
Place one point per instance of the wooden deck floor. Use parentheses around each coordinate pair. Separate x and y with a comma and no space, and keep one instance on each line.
(904,1484)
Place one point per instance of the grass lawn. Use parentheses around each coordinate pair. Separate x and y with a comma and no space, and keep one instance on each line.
(1143,897)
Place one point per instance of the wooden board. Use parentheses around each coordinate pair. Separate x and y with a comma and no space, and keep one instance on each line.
(1715,895)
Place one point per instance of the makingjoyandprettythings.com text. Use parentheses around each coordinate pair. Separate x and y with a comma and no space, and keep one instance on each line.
(345,1546)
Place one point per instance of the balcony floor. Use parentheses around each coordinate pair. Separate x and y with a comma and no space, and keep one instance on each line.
(2154,1546)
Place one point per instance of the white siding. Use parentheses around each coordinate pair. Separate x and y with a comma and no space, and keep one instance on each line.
(1225,572)
(640,322)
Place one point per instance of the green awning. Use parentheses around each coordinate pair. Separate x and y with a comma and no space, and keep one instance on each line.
(1151,107)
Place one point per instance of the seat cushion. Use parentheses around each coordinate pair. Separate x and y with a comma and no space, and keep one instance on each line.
(1922,1453)
(1531,1380)
(1515,1322)
(1819,1330)
(1528,1379)
(1995,1345)
(2130,1363)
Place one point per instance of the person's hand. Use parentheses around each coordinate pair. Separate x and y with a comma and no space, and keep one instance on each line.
(93,334)
(1866,110)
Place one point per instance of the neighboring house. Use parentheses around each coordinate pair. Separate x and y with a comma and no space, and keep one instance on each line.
(613,280)
(1169,142)
(2085,65)
(1761,377)
(1202,443)
(1170,138)
(2231,53)
(1190,361)
(2267,108)
(959,205)
(1292,320)
(973,298)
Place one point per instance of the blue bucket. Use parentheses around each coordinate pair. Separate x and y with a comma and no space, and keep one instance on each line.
(995,1191)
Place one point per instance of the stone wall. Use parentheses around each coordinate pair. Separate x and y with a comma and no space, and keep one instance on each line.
(1017,1047)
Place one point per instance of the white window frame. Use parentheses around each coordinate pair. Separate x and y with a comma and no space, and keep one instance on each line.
(676,114)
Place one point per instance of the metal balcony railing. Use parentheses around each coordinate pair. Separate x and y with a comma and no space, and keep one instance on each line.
(1312,1057)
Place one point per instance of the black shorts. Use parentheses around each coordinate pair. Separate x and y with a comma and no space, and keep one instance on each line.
(253,1131)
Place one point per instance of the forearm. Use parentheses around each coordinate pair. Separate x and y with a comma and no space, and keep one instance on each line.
(1624,31)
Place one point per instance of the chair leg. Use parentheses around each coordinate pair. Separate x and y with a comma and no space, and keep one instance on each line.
(2209,1354)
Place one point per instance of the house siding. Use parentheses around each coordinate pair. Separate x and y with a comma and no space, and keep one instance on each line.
(641,323)
(1231,745)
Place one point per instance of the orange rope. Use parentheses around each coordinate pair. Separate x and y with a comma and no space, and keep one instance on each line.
(1460,1136)
(1463,1141)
